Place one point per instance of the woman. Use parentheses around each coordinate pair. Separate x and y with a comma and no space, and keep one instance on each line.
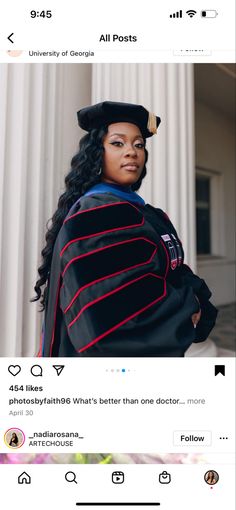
(211,477)
(14,440)
(115,282)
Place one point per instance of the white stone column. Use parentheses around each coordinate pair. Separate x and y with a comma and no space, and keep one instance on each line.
(167,90)
(38,136)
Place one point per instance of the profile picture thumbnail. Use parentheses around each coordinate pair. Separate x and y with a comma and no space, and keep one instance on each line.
(14,53)
(14,438)
(211,477)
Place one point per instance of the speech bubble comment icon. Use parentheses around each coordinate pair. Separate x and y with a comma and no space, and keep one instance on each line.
(36,371)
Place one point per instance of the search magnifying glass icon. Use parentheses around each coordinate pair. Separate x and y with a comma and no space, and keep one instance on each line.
(70,476)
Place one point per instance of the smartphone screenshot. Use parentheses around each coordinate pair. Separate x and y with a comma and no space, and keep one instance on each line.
(117,255)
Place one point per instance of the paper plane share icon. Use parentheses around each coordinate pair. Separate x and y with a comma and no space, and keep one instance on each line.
(58,368)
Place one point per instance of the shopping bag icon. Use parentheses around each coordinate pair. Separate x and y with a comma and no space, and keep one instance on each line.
(164,477)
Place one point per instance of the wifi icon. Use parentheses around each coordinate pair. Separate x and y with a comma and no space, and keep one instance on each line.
(191,13)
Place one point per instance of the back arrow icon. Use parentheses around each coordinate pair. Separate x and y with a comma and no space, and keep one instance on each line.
(9,38)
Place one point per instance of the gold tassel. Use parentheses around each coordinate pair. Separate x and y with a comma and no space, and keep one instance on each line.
(152,123)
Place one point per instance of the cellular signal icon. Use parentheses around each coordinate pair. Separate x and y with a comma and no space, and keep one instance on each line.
(191,13)
(178,14)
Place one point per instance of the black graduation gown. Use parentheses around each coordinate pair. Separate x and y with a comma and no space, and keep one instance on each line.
(118,285)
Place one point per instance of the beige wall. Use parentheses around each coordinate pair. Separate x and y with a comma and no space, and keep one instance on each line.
(215,151)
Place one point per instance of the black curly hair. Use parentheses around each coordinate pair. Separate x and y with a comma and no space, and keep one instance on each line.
(84,174)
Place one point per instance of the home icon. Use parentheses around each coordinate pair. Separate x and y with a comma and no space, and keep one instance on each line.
(24,478)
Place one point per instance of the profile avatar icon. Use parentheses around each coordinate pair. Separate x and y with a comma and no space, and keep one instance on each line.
(14,438)
(211,477)
(14,53)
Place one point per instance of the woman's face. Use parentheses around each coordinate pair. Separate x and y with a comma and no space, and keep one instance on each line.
(124,154)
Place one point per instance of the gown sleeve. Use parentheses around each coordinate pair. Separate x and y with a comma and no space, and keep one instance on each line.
(114,282)
(184,276)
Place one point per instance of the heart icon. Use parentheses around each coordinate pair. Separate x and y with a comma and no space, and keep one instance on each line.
(14,369)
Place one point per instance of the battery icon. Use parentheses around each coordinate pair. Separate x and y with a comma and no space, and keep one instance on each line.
(209,14)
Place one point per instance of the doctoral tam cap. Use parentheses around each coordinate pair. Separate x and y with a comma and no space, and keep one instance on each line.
(110,112)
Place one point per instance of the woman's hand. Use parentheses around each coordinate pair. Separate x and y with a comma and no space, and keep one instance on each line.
(196,316)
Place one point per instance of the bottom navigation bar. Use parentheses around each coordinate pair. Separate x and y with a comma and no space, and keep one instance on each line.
(169,486)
